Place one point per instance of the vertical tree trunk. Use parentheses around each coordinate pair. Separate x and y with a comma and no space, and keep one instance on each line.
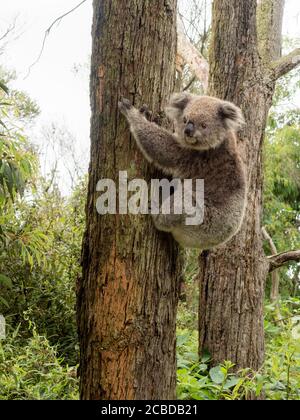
(127,297)
(233,277)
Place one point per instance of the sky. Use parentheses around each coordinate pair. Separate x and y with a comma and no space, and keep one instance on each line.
(62,93)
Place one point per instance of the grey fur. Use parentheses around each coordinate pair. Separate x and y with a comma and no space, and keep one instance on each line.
(207,152)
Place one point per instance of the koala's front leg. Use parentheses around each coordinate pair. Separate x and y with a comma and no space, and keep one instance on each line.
(156,143)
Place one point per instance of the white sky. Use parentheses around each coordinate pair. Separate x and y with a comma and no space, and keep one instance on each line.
(61,94)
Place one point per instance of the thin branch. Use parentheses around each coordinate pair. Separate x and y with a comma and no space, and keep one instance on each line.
(47,32)
(8,30)
(274,292)
(278,260)
(268,238)
(9,35)
(193,79)
(191,56)
(286,64)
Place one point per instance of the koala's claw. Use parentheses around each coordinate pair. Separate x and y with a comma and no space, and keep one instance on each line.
(145,111)
(124,105)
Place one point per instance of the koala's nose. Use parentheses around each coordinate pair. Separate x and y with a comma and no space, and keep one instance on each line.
(189,130)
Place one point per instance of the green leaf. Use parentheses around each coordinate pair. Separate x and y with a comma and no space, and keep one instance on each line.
(5,281)
(203,367)
(231,383)
(216,374)
(4,87)
(205,357)
(3,125)
(4,302)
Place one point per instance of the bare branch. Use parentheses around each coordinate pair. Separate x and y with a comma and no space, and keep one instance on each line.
(47,32)
(9,35)
(286,64)
(193,79)
(8,30)
(192,57)
(268,238)
(278,260)
(274,292)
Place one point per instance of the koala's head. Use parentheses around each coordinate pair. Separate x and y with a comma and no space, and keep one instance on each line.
(203,122)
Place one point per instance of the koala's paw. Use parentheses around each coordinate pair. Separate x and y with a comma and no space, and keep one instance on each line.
(146,113)
(165,222)
(125,106)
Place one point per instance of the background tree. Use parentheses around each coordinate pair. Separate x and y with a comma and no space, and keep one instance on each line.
(127,296)
(233,277)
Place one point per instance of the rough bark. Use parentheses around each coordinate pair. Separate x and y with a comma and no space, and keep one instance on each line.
(233,277)
(127,296)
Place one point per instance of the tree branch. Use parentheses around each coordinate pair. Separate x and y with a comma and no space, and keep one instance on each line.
(193,79)
(47,32)
(192,57)
(268,238)
(286,64)
(278,260)
(274,292)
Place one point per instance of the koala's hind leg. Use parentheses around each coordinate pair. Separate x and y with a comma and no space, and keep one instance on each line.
(167,222)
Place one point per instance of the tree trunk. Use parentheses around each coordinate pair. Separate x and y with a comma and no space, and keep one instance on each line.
(232,278)
(128,293)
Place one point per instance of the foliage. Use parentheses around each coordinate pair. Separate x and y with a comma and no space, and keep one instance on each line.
(18,165)
(278,380)
(40,237)
(282,180)
(282,188)
(31,370)
(198,381)
(48,229)
(17,159)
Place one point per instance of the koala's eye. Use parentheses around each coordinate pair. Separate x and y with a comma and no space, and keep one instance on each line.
(184,120)
(203,125)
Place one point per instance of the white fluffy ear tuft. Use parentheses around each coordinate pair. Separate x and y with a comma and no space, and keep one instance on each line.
(232,116)
(177,104)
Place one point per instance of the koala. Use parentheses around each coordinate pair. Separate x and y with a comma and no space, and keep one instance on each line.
(202,146)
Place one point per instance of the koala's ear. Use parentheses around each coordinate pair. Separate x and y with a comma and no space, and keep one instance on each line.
(231,115)
(177,104)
